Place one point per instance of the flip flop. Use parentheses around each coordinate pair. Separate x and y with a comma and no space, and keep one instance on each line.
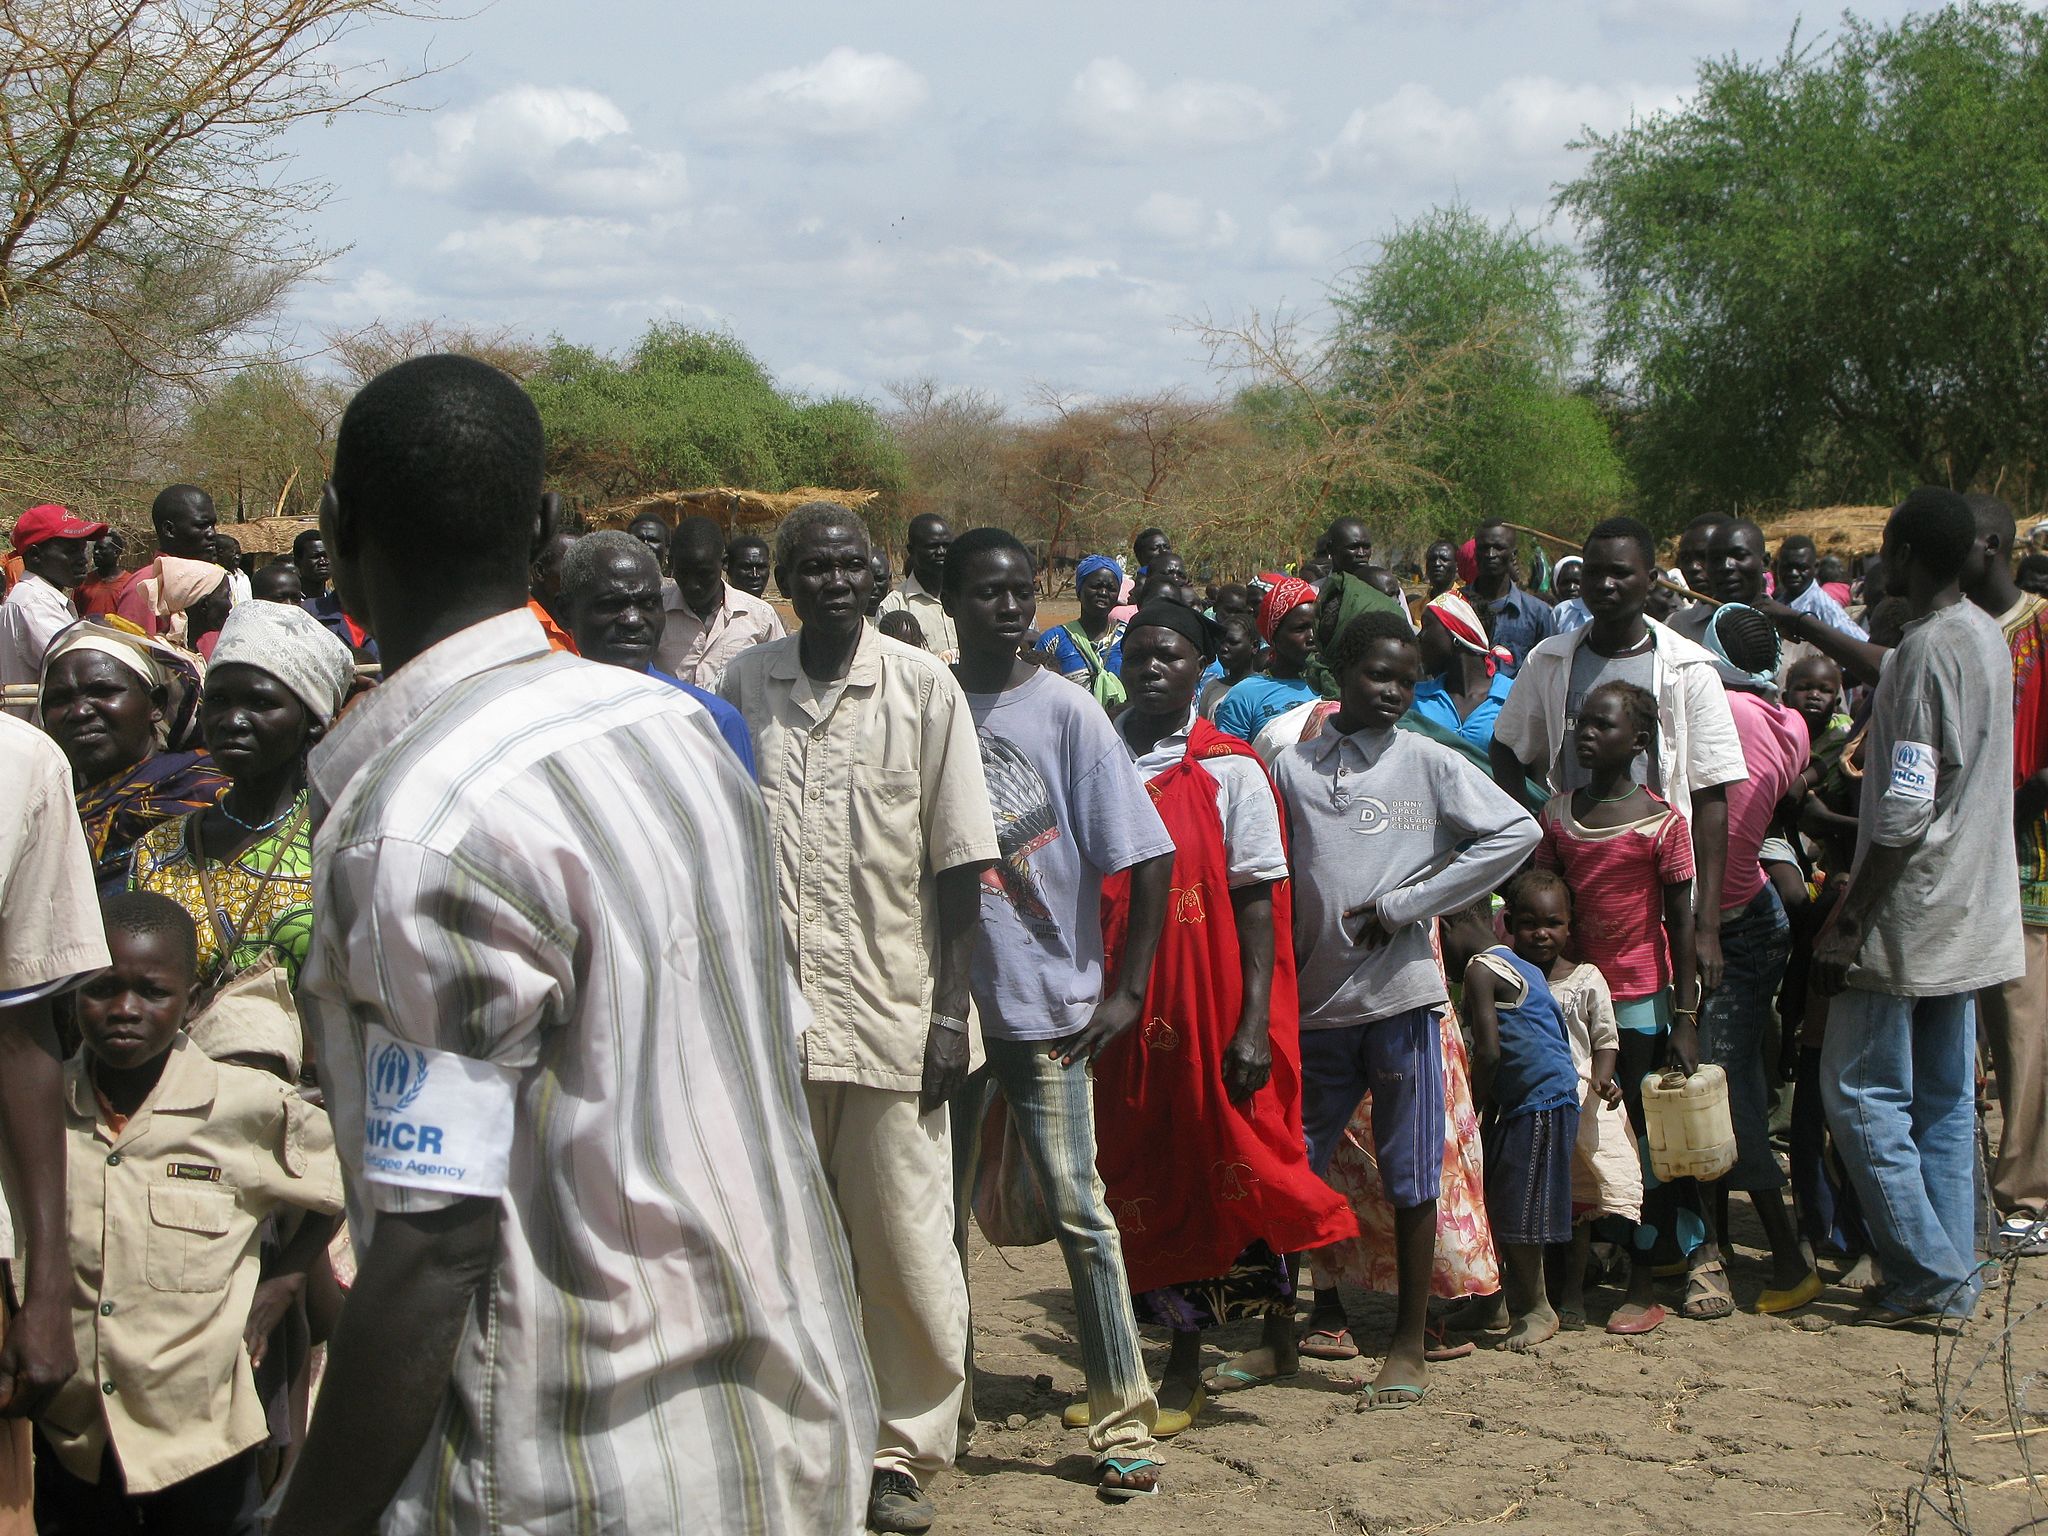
(1772,1302)
(1395,1399)
(1654,1317)
(1339,1347)
(1707,1294)
(1125,1466)
(1571,1319)
(1438,1347)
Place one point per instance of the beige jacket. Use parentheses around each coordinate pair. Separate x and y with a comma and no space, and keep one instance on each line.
(163,1218)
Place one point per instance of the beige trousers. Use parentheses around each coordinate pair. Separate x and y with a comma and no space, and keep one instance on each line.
(891,1172)
(2014,1020)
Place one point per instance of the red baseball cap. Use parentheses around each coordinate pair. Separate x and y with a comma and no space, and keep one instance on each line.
(51,521)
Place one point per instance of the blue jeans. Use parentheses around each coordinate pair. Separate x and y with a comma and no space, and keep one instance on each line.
(1898,1075)
(1053,1108)
(1755,943)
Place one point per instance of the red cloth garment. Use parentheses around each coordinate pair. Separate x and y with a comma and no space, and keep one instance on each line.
(558,637)
(95,597)
(1192,1178)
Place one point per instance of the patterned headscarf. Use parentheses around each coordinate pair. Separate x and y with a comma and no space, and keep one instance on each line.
(1461,620)
(1090,564)
(292,646)
(1286,594)
(157,664)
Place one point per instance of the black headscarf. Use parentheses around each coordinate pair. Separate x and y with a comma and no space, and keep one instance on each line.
(1164,613)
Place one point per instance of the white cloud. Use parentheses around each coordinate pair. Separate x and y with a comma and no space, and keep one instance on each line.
(547,150)
(1416,137)
(1173,219)
(847,96)
(1111,110)
(1293,240)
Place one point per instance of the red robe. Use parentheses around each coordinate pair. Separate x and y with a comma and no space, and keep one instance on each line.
(1193,1178)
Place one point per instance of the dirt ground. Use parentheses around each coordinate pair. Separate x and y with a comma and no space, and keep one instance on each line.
(1748,1424)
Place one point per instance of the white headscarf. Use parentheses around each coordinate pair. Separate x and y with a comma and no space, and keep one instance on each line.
(293,647)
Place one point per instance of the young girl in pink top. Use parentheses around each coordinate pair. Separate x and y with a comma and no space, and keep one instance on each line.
(1626,856)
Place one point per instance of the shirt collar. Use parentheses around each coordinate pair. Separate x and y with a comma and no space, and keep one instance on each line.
(1369,744)
(729,597)
(190,1081)
(911,587)
(1166,742)
(864,671)
(382,715)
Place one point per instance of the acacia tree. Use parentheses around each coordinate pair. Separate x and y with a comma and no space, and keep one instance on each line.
(1826,276)
(147,219)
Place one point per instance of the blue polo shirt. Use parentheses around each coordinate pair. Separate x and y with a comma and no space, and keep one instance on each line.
(732,725)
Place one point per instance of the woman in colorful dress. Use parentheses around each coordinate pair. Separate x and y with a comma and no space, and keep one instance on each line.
(243,867)
(123,708)
(1198,1109)
(1090,651)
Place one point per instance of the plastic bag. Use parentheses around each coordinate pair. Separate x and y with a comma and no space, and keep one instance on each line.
(1009,1206)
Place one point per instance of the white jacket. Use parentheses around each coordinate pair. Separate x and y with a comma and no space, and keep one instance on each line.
(1697,746)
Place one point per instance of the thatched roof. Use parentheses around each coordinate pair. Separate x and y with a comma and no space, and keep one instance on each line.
(1835,530)
(734,508)
(262,536)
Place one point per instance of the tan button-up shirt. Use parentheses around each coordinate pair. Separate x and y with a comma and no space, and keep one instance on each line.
(164,1216)
(874,786)
(699,650)
(930,613)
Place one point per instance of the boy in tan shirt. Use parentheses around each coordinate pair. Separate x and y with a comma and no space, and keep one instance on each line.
(175,1161)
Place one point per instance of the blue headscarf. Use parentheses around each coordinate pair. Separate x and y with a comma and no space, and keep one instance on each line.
(1090,564)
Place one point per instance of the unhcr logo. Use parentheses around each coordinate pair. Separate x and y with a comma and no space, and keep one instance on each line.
(398,1076)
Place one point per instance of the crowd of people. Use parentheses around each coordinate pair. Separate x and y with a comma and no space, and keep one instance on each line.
(501,1030)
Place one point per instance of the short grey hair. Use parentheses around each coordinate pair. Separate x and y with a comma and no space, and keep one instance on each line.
(595,553)
(808,517)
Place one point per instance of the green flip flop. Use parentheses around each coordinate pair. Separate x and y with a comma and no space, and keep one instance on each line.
(1125,1466)
(1395,1399)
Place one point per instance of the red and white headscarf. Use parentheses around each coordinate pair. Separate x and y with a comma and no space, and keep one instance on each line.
(1285,594)
(1461,619)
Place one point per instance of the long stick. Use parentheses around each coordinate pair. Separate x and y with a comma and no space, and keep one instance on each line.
(1574,544)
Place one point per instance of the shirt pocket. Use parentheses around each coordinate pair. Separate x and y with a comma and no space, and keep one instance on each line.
(190,1246)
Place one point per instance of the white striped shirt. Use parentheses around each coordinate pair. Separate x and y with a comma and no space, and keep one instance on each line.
(559,868)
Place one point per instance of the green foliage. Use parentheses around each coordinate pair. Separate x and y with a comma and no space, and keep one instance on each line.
(686,409)
(1826,277)
(1483,324)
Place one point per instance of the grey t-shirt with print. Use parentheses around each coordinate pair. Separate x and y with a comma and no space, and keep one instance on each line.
(1070,808)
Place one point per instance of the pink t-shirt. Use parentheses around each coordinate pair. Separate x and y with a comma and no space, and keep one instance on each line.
(1617,877)
(1776,748)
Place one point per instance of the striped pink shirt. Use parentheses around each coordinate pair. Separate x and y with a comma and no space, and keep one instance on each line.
(1617,877)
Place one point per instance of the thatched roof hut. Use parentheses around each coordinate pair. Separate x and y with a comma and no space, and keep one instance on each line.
(264,537)
(1843,530)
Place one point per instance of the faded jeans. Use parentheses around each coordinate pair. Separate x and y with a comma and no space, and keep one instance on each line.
(1734,1020)
(1053,1108)
(1898,1076)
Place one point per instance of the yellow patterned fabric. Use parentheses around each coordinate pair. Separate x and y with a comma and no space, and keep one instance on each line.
(271,881)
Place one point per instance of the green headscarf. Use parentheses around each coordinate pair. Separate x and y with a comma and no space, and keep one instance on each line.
(1342,599)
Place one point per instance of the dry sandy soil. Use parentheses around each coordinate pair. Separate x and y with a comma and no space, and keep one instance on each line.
(1748,1424)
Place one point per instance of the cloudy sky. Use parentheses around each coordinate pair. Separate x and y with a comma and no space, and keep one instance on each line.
(1013,198)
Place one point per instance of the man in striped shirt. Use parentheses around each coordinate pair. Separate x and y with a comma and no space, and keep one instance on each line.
(602,1288)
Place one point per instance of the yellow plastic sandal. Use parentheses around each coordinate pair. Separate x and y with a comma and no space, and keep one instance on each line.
(1791,1301)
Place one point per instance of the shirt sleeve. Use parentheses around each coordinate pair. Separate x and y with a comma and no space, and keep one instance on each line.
(1234,714)
(1910,778)
(1713,746)
(1519,727)
(303,1170)
(1497,838)
(1601,1026)
(959,826)
(1253,847)
(1674,850)
(1115,824)
(50,928)
(462,971)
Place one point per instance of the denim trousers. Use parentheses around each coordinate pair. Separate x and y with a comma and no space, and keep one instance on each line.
(1898,1075)
(1053,1109)
(1734,1021)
